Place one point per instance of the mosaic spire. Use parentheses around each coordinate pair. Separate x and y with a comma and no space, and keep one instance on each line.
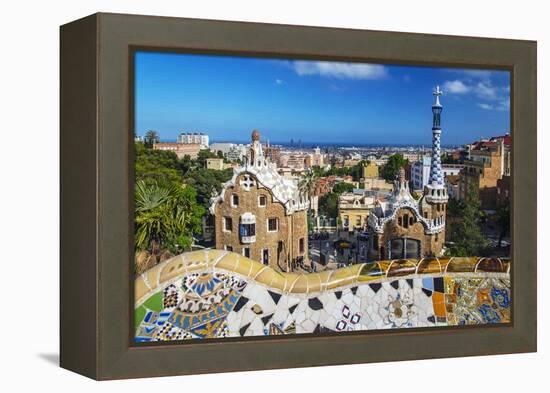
(436,173)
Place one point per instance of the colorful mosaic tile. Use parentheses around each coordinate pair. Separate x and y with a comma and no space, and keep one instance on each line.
(206,301)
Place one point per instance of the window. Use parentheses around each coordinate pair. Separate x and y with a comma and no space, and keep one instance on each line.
(234,200)
(273,225)
(405,220)
(358,221)
(262,201)
(248,230)
(301,246)
(404,248)
(246,252)
(228,248)
(399,221)
(227,224)
(265,256)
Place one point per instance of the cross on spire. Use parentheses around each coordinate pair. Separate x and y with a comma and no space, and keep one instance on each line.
(437,93)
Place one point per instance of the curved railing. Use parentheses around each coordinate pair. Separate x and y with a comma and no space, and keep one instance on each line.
(161,275)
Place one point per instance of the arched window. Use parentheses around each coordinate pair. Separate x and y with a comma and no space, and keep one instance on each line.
(402,248)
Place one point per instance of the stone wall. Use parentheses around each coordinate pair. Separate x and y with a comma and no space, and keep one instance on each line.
(215,294)
(291,227)
(431,244)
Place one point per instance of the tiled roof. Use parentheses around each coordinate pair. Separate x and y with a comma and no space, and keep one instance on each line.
(284,190)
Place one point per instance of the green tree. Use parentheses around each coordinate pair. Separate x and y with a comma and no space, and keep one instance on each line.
(328,204)
(203,155)
(208,183)
(390,170)
(503,220)
(448,159)
(166,217)
(308,184)
(343,171)
(151,137)
(157,166)
(186,165)
(341,187)
(465,233)
(356,171)
(319,172)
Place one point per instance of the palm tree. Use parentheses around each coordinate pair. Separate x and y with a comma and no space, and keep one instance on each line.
(165,217)
(308,185)
(151,137)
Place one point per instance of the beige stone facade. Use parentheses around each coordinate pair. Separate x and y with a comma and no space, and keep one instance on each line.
(353,211)
(215,163)
(370,171)
(485,166)
(277,246)
(377,185)
(261,215)
(405,228)
(181,149)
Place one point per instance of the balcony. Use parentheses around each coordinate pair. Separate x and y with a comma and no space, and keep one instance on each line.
(248,239)
(247,228)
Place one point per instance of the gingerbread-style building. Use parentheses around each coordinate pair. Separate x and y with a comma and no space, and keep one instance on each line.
(262,215)
(403,227)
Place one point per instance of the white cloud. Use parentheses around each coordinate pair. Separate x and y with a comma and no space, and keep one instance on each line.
(502,105)
(486,91)
(340,70)
(279,81)
(495,97)
(485,106)
(456,87)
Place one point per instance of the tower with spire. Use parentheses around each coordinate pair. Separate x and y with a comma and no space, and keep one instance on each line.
(402,227)
(435,191)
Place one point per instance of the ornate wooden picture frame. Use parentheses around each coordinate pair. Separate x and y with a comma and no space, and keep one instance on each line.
(99,295)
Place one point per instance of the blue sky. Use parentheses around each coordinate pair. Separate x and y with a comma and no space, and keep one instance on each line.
(318,102)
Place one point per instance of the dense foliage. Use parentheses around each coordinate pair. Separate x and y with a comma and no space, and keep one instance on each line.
(503,220)
(390,170)
(171,197)
(207,182)
(165,217)
(466,235)
(157,166)
(340,188)
(355,171)
(328,203)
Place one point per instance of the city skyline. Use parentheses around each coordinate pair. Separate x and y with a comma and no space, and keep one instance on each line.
(315,102)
